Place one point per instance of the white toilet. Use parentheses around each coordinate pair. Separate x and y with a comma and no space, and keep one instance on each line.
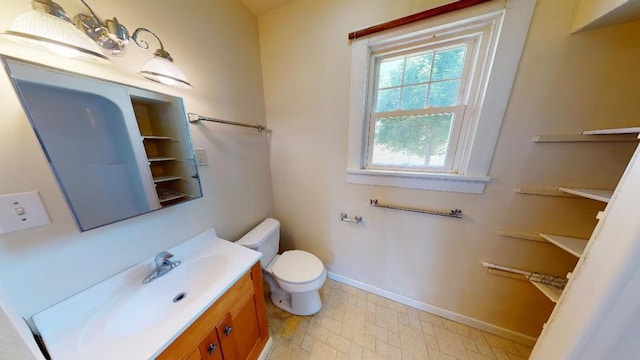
(294,277)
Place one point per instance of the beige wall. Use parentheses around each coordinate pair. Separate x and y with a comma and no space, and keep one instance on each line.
(216,45)
(564,84)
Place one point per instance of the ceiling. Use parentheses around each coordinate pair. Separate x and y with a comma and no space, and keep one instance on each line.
(259,7)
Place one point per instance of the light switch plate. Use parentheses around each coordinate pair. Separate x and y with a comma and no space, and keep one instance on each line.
(22,211)
(201,157)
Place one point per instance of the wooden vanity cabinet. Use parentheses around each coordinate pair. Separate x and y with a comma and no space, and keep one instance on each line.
(233,328)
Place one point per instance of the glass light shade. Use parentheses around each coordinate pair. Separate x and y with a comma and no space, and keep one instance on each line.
(57,35)
(164,71)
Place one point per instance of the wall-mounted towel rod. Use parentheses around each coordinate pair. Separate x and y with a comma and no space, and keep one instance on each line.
(194,118)
(455,213)
(536,277)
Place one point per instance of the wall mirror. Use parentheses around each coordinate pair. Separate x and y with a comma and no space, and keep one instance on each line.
(116,151)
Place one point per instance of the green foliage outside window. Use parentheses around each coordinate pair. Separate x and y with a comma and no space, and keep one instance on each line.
(422,135)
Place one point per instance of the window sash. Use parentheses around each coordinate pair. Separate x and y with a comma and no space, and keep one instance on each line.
(471,42)
(454,138)
(452,159)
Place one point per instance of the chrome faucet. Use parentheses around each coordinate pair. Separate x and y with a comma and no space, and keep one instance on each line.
(163,266)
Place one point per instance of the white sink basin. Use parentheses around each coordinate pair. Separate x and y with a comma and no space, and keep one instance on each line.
(122,318)
(139,310)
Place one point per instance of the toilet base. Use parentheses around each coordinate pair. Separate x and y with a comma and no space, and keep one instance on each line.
(306,303)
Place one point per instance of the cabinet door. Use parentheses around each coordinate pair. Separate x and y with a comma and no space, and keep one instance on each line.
(210,348)
(227,334)
(245,319)
(195,355)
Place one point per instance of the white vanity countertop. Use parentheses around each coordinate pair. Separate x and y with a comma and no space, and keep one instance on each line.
(121,318)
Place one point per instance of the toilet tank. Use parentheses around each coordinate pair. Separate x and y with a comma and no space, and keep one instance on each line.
(264,238)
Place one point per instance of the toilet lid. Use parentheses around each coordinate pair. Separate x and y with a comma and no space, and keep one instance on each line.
(297,267)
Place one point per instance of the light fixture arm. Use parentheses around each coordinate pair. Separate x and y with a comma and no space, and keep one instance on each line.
(95,17)
(145,45)
(51,8)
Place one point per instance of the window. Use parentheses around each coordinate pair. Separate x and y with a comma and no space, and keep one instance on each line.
(427,101)
(417,107)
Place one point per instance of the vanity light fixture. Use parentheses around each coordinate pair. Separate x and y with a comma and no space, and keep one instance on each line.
(49,25)
(161,68)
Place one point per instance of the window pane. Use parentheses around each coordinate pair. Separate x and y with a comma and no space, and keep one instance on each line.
(418,69)
(417,141)
(388,100)
(444,93)
(390,73)
(448,63)
(414,97)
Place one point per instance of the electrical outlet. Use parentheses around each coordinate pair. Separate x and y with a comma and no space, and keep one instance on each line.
(201,157)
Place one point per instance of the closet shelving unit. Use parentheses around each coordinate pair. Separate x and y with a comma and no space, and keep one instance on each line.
(574,246)
(570,332)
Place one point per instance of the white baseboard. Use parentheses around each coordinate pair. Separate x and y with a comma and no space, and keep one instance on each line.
(266,350)
(463,319)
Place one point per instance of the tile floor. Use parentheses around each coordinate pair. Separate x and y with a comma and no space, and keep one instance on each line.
(355,324)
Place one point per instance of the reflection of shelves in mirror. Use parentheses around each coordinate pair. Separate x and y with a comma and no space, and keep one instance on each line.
(165,178)
(593,194)
(573,246)
(161,158)
(167,147)
(168,195)
(152,137)
(550,291)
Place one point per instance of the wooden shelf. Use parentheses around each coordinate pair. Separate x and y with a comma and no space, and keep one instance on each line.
(552,292)
(161,158)
(599,135)
(572,245)
(616,131)
(621,137)
(543,192)
(151,137)
(593,14)
(521,235)
(594,194)
(164,178)
(168,195)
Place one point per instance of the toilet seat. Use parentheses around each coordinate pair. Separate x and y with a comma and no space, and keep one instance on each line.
(297,267)
(298,271)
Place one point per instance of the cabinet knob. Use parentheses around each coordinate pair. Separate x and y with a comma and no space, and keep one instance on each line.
(212,349)
(228,330)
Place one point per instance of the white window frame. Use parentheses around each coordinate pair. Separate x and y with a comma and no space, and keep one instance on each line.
(499,52)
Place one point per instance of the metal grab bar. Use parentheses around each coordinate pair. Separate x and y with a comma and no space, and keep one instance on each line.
(356,219)
(194,118)
(455,213)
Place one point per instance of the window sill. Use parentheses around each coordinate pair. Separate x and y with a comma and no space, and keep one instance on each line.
(439,182)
